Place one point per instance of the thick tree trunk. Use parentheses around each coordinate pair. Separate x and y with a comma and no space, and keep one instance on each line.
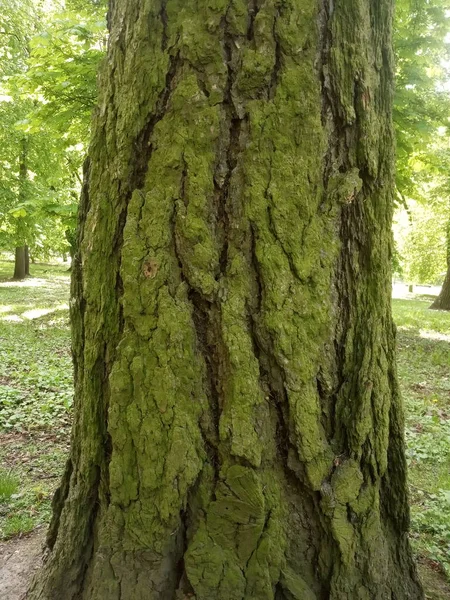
(20,265)
(238,428)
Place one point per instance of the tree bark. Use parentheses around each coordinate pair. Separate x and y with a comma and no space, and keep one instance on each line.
(20,263)
(238,427)
(442,302)
(27,261)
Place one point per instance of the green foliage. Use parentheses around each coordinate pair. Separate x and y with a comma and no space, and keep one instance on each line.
(422,103)
(421,235)
(47,91)
(421,117)
(61,72)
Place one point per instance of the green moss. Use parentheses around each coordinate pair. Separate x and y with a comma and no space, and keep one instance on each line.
(241,539)
(346,481)
(296,586)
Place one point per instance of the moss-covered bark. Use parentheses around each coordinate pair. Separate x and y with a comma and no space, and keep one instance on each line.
(238,429)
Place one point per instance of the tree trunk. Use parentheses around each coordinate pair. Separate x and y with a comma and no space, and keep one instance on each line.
(22,262)
(27,261)
(238,427)
(20,270)
(442,302)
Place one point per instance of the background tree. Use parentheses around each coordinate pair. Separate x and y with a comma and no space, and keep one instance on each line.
(238,430)
(421,116)
(49,83)
(422,103)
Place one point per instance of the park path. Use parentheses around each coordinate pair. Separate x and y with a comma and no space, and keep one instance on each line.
(19,559)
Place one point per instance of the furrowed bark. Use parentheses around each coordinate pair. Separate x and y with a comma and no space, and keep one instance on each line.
(238,428)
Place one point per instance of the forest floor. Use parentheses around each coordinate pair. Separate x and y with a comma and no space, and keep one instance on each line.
(36,400)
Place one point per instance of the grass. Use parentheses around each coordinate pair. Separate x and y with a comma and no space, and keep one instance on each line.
(36,399)
(424,373)
(35,394)
(35,362)
(8,485)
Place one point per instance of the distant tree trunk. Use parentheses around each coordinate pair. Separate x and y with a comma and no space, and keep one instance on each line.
(27,261)
(238,427)
(20,271)
(22,262)
(442,302)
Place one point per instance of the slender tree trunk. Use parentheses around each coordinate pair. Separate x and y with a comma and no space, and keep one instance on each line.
(22,263)
(20,271)
(27,261)
(442,302)
(238,427)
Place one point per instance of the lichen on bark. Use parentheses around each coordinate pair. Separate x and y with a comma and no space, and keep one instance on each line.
(238,427)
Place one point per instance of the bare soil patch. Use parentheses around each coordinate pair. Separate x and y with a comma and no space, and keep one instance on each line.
(19,560)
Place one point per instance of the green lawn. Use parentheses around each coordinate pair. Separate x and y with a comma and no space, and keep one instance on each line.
(35,394)
(36,398)
(424,372)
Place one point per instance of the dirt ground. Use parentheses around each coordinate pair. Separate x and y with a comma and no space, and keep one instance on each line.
(19,559)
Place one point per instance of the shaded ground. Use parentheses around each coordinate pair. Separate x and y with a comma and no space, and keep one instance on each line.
(36,399)
(434,582)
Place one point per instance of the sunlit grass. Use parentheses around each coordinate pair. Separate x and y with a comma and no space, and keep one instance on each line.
(34,297)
